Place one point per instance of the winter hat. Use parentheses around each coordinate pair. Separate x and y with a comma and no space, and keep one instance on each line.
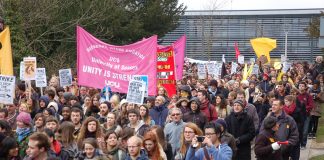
(239,102)
(25,118)
(185,88)
(67,95)
(53,104)
(196,100)
(222,122)
(45,99)
(269,122)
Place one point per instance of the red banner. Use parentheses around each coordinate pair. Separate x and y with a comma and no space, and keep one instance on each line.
(166,69)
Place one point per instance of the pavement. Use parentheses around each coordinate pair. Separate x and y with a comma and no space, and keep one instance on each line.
(312,149)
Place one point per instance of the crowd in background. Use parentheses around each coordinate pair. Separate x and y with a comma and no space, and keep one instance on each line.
(271,113)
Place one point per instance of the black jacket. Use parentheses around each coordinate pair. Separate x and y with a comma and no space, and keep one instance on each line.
(263,149)
(240,125)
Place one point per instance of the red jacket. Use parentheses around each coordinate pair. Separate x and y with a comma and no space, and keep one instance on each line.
(209,110)
(307,99)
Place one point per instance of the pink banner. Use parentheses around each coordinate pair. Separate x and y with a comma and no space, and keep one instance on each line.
(101,64)
(179,51)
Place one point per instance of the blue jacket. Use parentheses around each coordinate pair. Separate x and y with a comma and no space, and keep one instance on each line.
(159,114)
(223,152)
(143,156)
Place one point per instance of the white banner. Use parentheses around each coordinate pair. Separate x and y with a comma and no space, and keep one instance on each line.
(234,67)
(65,77)
(286,66)
(135,92)
(240,59)
(7,89)
(21,70)
(41,77)
(201,71)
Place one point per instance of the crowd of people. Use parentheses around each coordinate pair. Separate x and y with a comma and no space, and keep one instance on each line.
(271,113)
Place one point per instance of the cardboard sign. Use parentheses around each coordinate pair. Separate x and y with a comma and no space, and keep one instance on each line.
(234,67)
(240,59)
(65,77)
(212,69)
(255,70)
(29,68)
(41,77)
(21,70)
(201,71)
(286,66)
(135,92)
(7,89)
(143,78)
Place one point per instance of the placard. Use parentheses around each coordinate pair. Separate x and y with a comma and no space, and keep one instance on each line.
(255,70)
(201,71)
(252,60)
(283,58)
(212,68)
(21,70)
(7,89)
(143,78)
(41,77)
(29,68)
(240,59)
(65,77)
(286,66)
(234,67)
(135,92)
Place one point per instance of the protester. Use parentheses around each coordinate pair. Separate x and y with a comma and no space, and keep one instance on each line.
(214,149)
(90,150)
(206,107)
(239,125)
(90,129)
(159,112)
(38,147)
(153,148)
(23,131)
(9,149)
(145,117)
(112,148)
(195,116)
(167,148)
(134,145)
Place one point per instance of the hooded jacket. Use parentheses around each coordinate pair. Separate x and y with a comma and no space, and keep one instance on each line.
(46,100)
(209,110)
(173,133)
(196,117)
(186,109)
(140,129)
(159,114)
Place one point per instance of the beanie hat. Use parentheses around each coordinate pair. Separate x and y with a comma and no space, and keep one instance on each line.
(185,88)
(25,118)
(222,122)
(67,95)
(53,104)
(239,102)
(269,122)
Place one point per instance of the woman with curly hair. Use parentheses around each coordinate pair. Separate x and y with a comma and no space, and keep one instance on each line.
(145,117)
(90,129)
(153,148)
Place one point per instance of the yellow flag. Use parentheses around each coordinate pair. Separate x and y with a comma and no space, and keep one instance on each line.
(245,73)
(6,66)
(263,46)
(250,69)
(279,76)
(277,65)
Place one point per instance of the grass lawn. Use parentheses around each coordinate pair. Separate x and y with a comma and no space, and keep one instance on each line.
(320,129)
(318,158)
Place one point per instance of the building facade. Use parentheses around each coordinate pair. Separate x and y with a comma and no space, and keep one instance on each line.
(213,33)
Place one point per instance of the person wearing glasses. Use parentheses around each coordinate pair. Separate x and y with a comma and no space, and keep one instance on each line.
(213,148)
(134,145)
(174,129)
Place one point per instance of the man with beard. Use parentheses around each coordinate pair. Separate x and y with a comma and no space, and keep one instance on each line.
(159,112)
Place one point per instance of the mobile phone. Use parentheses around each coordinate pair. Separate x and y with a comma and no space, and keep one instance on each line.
(200,138)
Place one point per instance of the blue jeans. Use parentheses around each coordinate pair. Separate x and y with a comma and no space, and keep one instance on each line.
(305,131)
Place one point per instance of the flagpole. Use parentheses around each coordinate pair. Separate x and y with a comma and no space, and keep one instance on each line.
(286,37)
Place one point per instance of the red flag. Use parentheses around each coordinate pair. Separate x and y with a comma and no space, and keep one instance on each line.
(237,51)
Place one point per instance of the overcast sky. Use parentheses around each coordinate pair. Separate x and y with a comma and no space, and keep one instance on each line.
(251,4)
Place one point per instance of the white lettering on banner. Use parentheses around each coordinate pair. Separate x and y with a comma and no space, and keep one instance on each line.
(112,84)
(114,59)
(128,67)
(92,70)
(99,61)
(92,47)
(124,77)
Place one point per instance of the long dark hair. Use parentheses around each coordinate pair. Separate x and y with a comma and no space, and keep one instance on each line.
(7,144)
(223,103)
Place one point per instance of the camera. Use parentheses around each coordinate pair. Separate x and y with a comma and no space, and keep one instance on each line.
(200,138)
